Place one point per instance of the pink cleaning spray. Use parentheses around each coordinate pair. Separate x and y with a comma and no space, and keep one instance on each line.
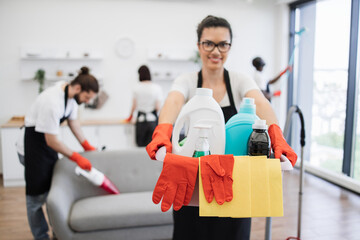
(98,179)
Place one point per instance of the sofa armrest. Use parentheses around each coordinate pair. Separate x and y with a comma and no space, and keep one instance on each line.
(66,188)
(131,170)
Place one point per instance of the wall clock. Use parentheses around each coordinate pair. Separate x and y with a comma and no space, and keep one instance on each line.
(124,47)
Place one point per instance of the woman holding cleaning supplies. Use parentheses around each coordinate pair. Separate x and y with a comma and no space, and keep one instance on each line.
(214,42)
(147,100)
(42,126)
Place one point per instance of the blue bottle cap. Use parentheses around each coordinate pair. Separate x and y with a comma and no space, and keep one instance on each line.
(248,106)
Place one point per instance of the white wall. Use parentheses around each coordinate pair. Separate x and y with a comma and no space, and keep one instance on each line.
(257,26)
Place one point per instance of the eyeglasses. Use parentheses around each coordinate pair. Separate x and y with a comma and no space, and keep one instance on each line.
(209,46)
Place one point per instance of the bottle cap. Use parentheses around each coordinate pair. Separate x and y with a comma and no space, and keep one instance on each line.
(260,124)
(248,106)
(248,101)
(204,92)
(203,129)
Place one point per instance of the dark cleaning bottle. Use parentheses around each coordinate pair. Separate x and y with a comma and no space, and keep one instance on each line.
(202,147)
(259,141)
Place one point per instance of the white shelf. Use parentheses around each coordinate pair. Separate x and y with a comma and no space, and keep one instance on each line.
(52,79)
(170,60)
(55,78)
(54,60)
(163,79)
(60,59)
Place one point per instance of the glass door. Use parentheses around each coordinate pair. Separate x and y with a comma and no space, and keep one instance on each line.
(331,55)
(320,80)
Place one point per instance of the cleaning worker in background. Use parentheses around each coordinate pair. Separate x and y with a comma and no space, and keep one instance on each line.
(146,101)
(53,106)
(229,88)
(259,64)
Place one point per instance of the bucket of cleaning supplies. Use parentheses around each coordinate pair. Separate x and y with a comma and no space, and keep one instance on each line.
(239,128)
(202,109)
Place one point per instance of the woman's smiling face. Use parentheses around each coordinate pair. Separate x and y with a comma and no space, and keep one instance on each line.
(215,59)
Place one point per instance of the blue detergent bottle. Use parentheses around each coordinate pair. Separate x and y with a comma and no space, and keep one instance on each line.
(239,128)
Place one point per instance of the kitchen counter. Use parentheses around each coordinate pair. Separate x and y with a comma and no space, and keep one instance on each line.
(113,134)
(18,121)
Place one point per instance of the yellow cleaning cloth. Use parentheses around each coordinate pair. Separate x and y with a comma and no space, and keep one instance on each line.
(257,190)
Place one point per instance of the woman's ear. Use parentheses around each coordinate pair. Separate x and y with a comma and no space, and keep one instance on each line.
(77,88)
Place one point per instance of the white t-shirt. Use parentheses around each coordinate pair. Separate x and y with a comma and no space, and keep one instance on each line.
(259,79)
(240,85)
(147,94)
(48,108)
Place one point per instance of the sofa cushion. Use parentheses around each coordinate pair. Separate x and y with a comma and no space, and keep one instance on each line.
(131,170)
(117,211)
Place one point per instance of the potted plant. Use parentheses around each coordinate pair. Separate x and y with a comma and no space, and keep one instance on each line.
(40,77)
(196,58)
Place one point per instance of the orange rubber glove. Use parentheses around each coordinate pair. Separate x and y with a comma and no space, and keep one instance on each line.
(128,119)
(161,137)
(176,183)
(81,161)
(216,175)
(279,144)
(277,93)
(87,147)
(288,68)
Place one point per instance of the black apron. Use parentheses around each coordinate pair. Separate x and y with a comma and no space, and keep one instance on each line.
(40,159)
(145,129)
(187,223)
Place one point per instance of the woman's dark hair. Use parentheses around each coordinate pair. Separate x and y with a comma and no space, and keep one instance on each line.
(258,62)
(144,73)
(87,81)
(212,21)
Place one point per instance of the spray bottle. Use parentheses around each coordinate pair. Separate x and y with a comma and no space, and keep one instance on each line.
(98,179)
(202,147)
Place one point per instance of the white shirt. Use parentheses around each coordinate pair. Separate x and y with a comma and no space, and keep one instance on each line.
(48,108)
(240,85)
(147,94)
(259,79)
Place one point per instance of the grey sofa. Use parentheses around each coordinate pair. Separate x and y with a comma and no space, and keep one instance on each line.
(79,210)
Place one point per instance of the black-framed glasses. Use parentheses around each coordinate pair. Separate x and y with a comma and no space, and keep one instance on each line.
(209,46)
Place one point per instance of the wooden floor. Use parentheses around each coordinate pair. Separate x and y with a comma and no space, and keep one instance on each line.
(329,212)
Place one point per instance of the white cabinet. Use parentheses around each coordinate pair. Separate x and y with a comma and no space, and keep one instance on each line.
(13,171)
(67,137)
(113,137)
(116,136)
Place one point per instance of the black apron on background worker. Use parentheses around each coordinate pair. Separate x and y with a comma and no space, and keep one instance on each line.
(145,128)
(40,158)
(189,225)
(147,97)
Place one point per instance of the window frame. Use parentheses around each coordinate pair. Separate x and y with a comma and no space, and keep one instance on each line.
(351,101)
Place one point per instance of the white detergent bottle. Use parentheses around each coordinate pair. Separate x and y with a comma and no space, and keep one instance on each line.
(202,109)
